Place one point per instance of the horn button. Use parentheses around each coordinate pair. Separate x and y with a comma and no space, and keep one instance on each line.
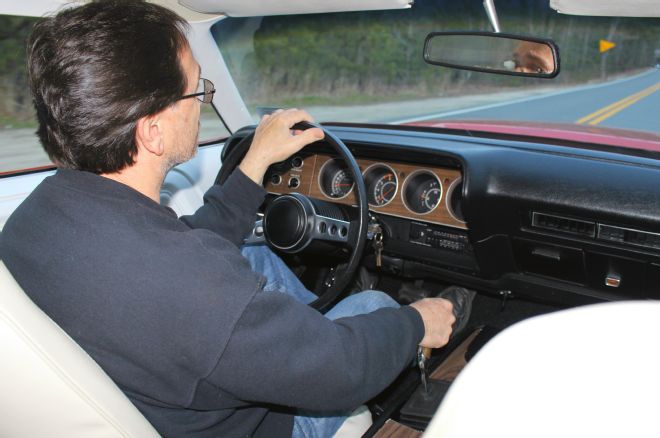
(288,222)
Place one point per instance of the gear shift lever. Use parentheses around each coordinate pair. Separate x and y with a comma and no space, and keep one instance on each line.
(425,400)
(423,353)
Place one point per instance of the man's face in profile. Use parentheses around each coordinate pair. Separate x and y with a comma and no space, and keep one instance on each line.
(183,116)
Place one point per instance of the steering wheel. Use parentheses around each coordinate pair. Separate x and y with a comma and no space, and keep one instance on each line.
(293,221)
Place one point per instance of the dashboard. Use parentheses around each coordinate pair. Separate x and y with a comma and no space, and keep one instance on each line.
(561,222)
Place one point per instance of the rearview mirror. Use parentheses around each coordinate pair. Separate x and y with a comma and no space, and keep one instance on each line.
(493,53)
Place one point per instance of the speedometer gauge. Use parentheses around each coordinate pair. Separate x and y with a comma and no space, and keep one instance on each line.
(381,183)
(422,192)
(335,179)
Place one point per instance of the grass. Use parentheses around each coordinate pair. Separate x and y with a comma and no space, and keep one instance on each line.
(8,122)
(366,99)
(348,99)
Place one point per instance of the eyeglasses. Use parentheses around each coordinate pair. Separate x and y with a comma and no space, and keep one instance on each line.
(204,93)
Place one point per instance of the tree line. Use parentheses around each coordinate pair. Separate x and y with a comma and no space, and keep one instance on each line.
(359,57)
(15,102)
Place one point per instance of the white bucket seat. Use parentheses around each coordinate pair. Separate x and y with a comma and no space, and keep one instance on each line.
(49,386)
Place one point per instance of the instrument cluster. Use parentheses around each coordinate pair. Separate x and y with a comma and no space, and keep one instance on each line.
(431,194)
(421,191)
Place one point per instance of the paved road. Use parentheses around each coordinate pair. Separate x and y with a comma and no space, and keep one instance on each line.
(630,103)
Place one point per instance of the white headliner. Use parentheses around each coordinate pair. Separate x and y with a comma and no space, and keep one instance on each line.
(204,10)
(210,9)
(608,8)
(246,8)
(38,8)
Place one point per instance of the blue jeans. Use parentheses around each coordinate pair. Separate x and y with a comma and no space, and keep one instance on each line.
(279,278)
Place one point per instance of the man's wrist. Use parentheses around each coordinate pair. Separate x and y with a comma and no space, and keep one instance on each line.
(255,170)
(417,319)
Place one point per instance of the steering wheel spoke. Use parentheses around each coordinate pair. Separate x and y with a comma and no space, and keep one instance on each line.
(331,230)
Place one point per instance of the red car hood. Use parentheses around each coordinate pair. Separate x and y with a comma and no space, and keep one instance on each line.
(563,131)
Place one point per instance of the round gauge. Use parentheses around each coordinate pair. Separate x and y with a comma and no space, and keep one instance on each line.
(381,183)
(422,192)
(335,180)
(455,200)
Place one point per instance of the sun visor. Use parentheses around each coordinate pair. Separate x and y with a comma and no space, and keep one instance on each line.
(247,8)
(608,8)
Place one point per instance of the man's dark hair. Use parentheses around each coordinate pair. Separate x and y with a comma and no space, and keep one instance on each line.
(95,70)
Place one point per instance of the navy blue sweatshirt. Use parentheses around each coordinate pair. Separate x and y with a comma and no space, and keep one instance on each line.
(170,309)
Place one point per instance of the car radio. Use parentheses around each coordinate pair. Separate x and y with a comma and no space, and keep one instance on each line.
(436,237)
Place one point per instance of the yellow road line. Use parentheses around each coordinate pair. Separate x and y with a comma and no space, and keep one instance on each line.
(608,111)
(607,108)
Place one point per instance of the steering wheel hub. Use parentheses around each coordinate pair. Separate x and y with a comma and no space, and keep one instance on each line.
(288,221)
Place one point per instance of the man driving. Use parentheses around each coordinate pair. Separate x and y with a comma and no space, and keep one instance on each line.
(203,339)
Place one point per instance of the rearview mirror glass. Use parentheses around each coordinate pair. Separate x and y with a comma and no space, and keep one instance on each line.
(493,53)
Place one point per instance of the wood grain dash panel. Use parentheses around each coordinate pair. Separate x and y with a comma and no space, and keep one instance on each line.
(305,175)
(309,178)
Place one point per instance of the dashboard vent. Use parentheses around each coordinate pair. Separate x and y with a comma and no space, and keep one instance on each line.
(628,235)
(563,224)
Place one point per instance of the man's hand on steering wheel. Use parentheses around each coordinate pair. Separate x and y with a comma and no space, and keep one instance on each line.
(274,141)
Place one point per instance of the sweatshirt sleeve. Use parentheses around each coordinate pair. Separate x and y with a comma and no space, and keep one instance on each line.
(286,353)
(229,209)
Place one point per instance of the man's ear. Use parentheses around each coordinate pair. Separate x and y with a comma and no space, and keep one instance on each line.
(149,135)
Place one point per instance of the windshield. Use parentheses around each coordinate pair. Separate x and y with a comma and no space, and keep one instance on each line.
(368,67)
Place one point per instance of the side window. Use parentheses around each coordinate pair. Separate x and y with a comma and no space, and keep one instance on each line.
(20,149)
(19,146)
(210,125)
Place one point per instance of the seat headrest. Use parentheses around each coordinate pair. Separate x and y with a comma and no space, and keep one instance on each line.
(587,371)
